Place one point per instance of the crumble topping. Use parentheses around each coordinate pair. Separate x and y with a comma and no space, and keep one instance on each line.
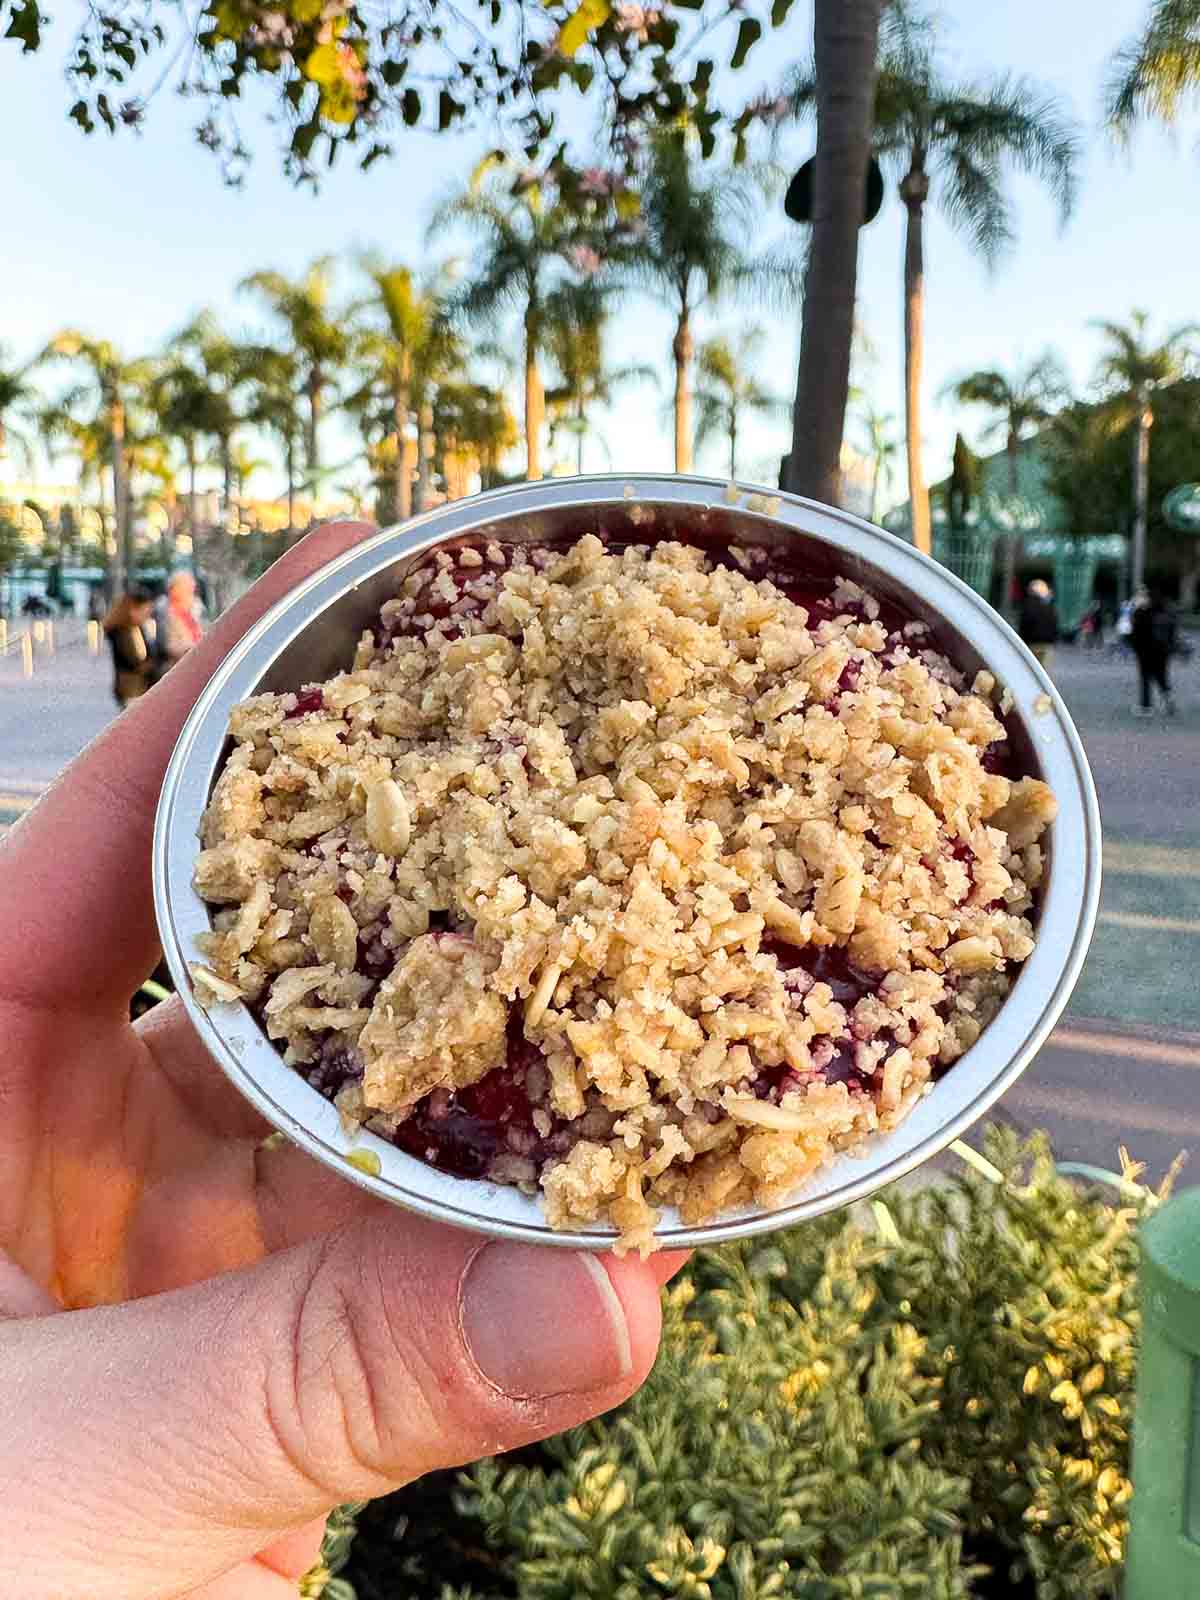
(643,876)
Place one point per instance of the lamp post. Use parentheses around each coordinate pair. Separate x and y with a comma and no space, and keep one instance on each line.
(1141,484)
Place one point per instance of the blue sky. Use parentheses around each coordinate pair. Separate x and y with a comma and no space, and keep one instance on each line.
(127,237)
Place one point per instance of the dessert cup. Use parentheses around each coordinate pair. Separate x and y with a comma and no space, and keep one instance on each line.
(311,634)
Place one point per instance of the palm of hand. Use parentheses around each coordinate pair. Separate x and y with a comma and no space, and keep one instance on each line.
(128,1165)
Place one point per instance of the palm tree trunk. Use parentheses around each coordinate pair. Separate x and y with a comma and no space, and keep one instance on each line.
(316,387)
(582,420)
(733,432)
(403,477)
(533,405)
(123,575)
(1012,545)
(845,38)
(425,442)
(1141,485)
(876,477)
(291,487)
(225,446)
(683,348)
(914,190)
(190,456)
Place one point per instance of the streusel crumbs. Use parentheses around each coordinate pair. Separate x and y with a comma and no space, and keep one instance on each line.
(643,877)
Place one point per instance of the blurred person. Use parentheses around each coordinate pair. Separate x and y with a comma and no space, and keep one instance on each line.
(124,629)
(1038,622)
(1154,634)
(176,625)
(1091,629)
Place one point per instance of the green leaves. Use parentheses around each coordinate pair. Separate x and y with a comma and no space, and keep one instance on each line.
(748,34)
(25,24)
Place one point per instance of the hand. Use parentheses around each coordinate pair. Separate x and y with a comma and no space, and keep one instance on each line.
(204,1345)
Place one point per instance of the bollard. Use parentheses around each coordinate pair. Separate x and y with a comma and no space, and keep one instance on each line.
(39,632)
(1164,1537)
(26,655)
(93,636)
(50,637)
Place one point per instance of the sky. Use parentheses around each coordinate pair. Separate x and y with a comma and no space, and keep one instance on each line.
(128,237)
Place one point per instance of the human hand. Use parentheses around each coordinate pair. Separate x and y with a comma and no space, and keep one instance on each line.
(204,1345)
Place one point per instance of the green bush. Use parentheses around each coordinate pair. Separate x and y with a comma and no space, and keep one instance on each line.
(931,1398)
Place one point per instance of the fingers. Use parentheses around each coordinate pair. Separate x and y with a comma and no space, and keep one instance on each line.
(186,1062)
(80,861)
(333,1371)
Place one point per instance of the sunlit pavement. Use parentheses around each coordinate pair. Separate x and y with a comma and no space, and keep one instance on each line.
(1125,1066)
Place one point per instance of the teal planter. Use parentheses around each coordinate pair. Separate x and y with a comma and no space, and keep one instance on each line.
(1164,1541)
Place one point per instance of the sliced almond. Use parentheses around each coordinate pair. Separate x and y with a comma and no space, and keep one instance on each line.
(389,822)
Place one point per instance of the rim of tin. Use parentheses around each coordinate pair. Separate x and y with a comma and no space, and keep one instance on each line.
(1067,913)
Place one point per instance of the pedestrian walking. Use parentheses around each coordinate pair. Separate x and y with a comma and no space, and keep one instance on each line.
(1038,622)
(176,625)
(1091,629)
(130,653)
(1154,635)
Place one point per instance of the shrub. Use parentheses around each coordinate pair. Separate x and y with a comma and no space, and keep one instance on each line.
(929,1398)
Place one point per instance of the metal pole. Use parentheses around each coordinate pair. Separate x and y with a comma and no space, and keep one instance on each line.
(27,655)
(1164,1540)
(50,636)
(1141,484)
(93,636)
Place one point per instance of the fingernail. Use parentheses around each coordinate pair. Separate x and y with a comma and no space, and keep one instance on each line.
(540,1321)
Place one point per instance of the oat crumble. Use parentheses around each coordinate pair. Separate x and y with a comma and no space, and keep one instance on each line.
(644,877)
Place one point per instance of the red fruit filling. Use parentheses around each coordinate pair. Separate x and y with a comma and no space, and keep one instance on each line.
(487,1130)
(309,700)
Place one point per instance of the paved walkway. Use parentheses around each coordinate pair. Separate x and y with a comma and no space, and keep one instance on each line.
(1126,1063)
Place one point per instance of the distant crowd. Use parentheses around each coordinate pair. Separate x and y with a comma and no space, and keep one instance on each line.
(1146,626)
(147,637)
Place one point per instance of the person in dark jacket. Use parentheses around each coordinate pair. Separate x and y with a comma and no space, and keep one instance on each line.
(131,656)
(1154,638)
(1038,624)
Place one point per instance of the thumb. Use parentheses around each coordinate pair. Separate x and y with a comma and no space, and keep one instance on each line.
(198,1424)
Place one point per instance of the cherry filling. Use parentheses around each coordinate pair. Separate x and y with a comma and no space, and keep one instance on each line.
(835,1059)
(471,1132)
(310,700)
(336,1066)
(426,609)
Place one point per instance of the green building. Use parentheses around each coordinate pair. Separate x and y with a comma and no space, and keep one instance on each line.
(978,523)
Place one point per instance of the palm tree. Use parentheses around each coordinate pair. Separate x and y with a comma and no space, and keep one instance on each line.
(473,425)
(395,322)
(526,236)
(1020,402)
(1153,74)
(882,449)
(273,407)
(226,368)
(689,252)
(729,391)
(1130,370)
(17,398)
(576,323)
(110,382)
(930,131)
(317,334)
(845,46)
(186,410)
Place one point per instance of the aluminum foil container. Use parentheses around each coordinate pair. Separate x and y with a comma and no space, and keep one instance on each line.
(311,634)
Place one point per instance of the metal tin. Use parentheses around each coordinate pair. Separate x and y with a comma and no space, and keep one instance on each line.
(311,633)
